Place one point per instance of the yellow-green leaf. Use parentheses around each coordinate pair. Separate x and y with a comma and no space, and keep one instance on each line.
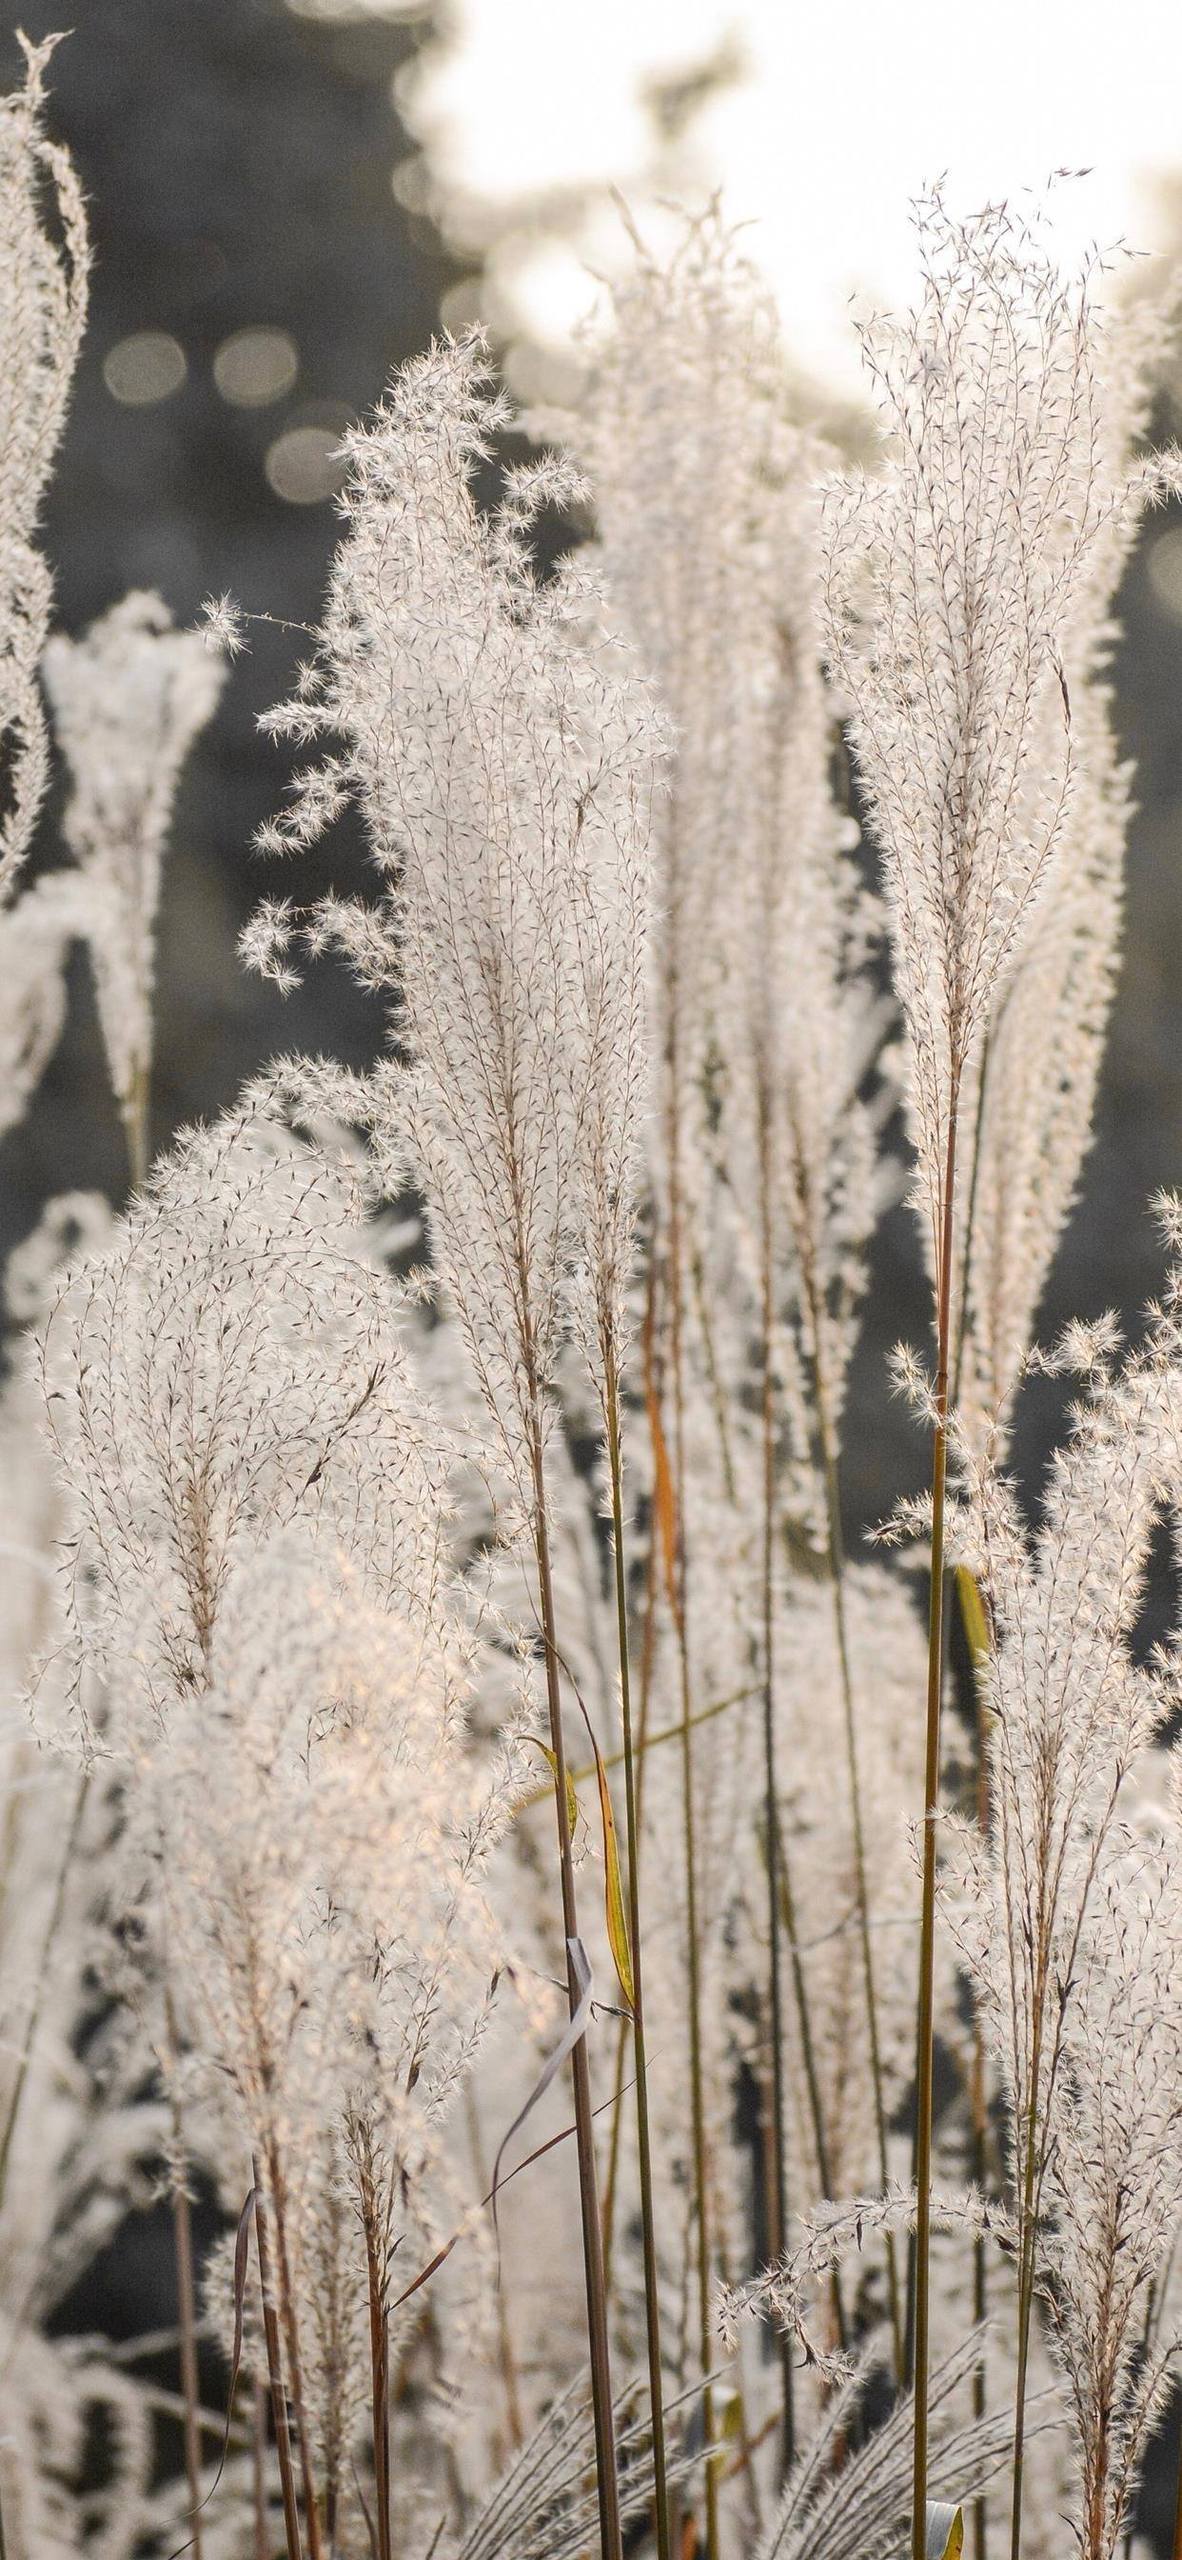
(945,2534)
(972,1610)
(617,1917)
(664,1498)
(572,1801)
(731,2428)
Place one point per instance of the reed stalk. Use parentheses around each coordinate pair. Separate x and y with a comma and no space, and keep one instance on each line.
(1026,2257)
(279,2417)
(1176,2544)
(835,1543)
(978,2101)
(652,2306)
(611,2545)
(778,2180)
(379,2366)
(292,2343)
(258,2458)
(674,1271)
(182,2230)
(182,2224)
(927,1944)
(615,1760)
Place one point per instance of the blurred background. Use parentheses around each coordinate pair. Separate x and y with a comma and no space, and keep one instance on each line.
(288,195)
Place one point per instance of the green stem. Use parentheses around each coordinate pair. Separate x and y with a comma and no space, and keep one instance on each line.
(1026,2259)
(778,2181)
(615,1760)
(611,2545)
(689,1823)
(927,1945)
(861,1889)
(262,2540)
(652,2306)
(182,2219)
(812,2078)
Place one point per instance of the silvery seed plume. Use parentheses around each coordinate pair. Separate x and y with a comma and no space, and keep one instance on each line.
(128,700)
(1114,2177)
(706,496)
(42,315)
(323,1833)
(73,2147)
(228,1369)
(1066,1924)
(854,2505)
(37,933)
(503,756)
(1070,1709)
(1031,1085)
(273,1653)
(950,580)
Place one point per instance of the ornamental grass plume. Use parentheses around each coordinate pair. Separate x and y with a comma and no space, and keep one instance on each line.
(503,756)
(1031,1081)
(262,1585)
(228,1371)
(1114,2180)
(949,584)
(128,700)
(44,263)
(74,2145)
(763,1174)
(1067,1709)
(37,933)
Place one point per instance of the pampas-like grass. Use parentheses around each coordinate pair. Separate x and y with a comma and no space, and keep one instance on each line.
(335,1593)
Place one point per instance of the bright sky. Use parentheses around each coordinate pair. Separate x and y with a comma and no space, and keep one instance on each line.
(846,112)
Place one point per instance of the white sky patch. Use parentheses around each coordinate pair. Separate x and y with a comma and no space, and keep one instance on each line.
(844,114)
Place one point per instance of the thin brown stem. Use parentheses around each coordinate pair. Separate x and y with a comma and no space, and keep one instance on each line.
(812,2077)
(927,1945)
(504,2326)
(607,2480)
(186,2293)
(258,2456)
(641,1742)
(689,1817)
(182,2224)
(277,2191)
(379,2371)
(291,2511)
(836,1546)
(978,2100)
(778,2179)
